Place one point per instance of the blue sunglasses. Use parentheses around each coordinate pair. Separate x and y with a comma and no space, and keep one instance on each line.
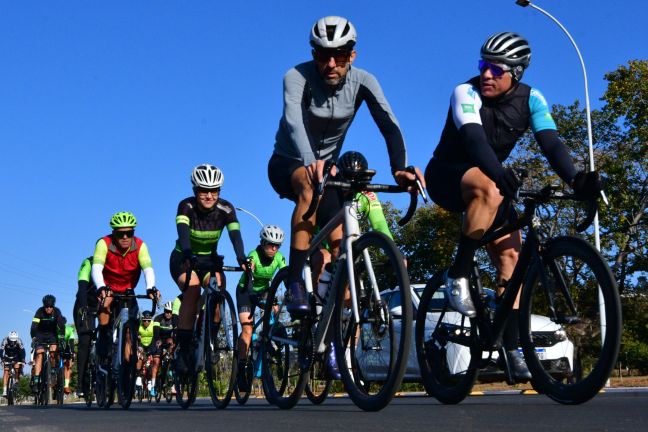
(497,70)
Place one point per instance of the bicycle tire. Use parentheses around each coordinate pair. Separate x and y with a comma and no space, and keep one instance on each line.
(281,345)
(449,354)
(593,358)
(127,372)
(60,395)
(45,381)
(186,386)
(221,351)
(319,385)
(89,381)
(10,389)
(375,253)
(161,381)
(241,396)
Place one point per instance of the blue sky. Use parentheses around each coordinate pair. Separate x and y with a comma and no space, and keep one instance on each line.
(107,106)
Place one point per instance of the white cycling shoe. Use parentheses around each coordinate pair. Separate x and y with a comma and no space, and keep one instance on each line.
(459,295)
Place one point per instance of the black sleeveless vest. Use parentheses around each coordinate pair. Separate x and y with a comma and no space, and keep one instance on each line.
(505,119)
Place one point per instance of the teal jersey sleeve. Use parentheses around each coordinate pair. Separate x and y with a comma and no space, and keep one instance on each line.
(369,205)
(540,116)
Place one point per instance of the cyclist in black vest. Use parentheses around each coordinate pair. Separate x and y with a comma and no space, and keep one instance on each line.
(487,116)
(85,308)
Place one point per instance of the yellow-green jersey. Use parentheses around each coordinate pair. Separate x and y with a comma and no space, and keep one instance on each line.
(264,269)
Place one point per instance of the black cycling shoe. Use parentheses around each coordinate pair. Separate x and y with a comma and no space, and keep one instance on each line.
(518,366)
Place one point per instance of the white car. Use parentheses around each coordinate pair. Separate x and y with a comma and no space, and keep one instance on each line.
(556,353)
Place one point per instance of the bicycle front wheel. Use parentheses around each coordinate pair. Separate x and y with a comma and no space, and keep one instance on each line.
(10,389)
(127,369)
(60,395)
(221,349)
(319,383)
(570,323)
(284,343)
(446,346)
(372,352)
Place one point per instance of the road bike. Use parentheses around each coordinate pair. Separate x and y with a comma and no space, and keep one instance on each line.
(12,383)
(565,283)
(117,372)
(215,341)
(164,382)
(353,315)
(50,383)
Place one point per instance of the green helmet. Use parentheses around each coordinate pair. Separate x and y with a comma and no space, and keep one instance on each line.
(123,220)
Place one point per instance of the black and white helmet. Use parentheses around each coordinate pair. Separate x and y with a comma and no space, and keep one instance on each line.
(510,49)
(333,32)
(207,176)
(13,336)
(168,306)
(272,234)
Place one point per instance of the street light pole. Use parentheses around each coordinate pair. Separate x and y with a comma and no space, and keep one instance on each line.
(597,238)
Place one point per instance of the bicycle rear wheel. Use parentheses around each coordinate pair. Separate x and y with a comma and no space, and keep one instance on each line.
(221,349)
(89,380)
(284,343)
(570,340)
(372,354)
(446,346)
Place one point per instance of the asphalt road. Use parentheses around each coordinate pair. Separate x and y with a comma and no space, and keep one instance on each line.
(613,411)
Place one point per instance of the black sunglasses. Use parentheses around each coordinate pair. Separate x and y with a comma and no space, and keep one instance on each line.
(341,57)
(122,234)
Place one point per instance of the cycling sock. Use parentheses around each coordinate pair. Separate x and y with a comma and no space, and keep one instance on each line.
(510,336)
(464,259)
(103,342)
(66,382)
(296,264)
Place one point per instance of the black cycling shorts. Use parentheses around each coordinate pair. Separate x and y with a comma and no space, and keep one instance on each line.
(247,301)
(203,264)
(44,339)
(443,180)
(280,170)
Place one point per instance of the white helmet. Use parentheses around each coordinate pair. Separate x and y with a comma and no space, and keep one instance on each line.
(272,234)
(168,306)
(207,176)
(13,336)
(333,32)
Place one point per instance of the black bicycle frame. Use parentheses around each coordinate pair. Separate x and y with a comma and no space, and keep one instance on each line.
(490,333)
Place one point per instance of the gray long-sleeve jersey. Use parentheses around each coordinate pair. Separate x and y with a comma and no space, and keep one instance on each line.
(316,116)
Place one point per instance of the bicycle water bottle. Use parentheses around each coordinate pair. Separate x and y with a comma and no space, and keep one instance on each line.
(323,287)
